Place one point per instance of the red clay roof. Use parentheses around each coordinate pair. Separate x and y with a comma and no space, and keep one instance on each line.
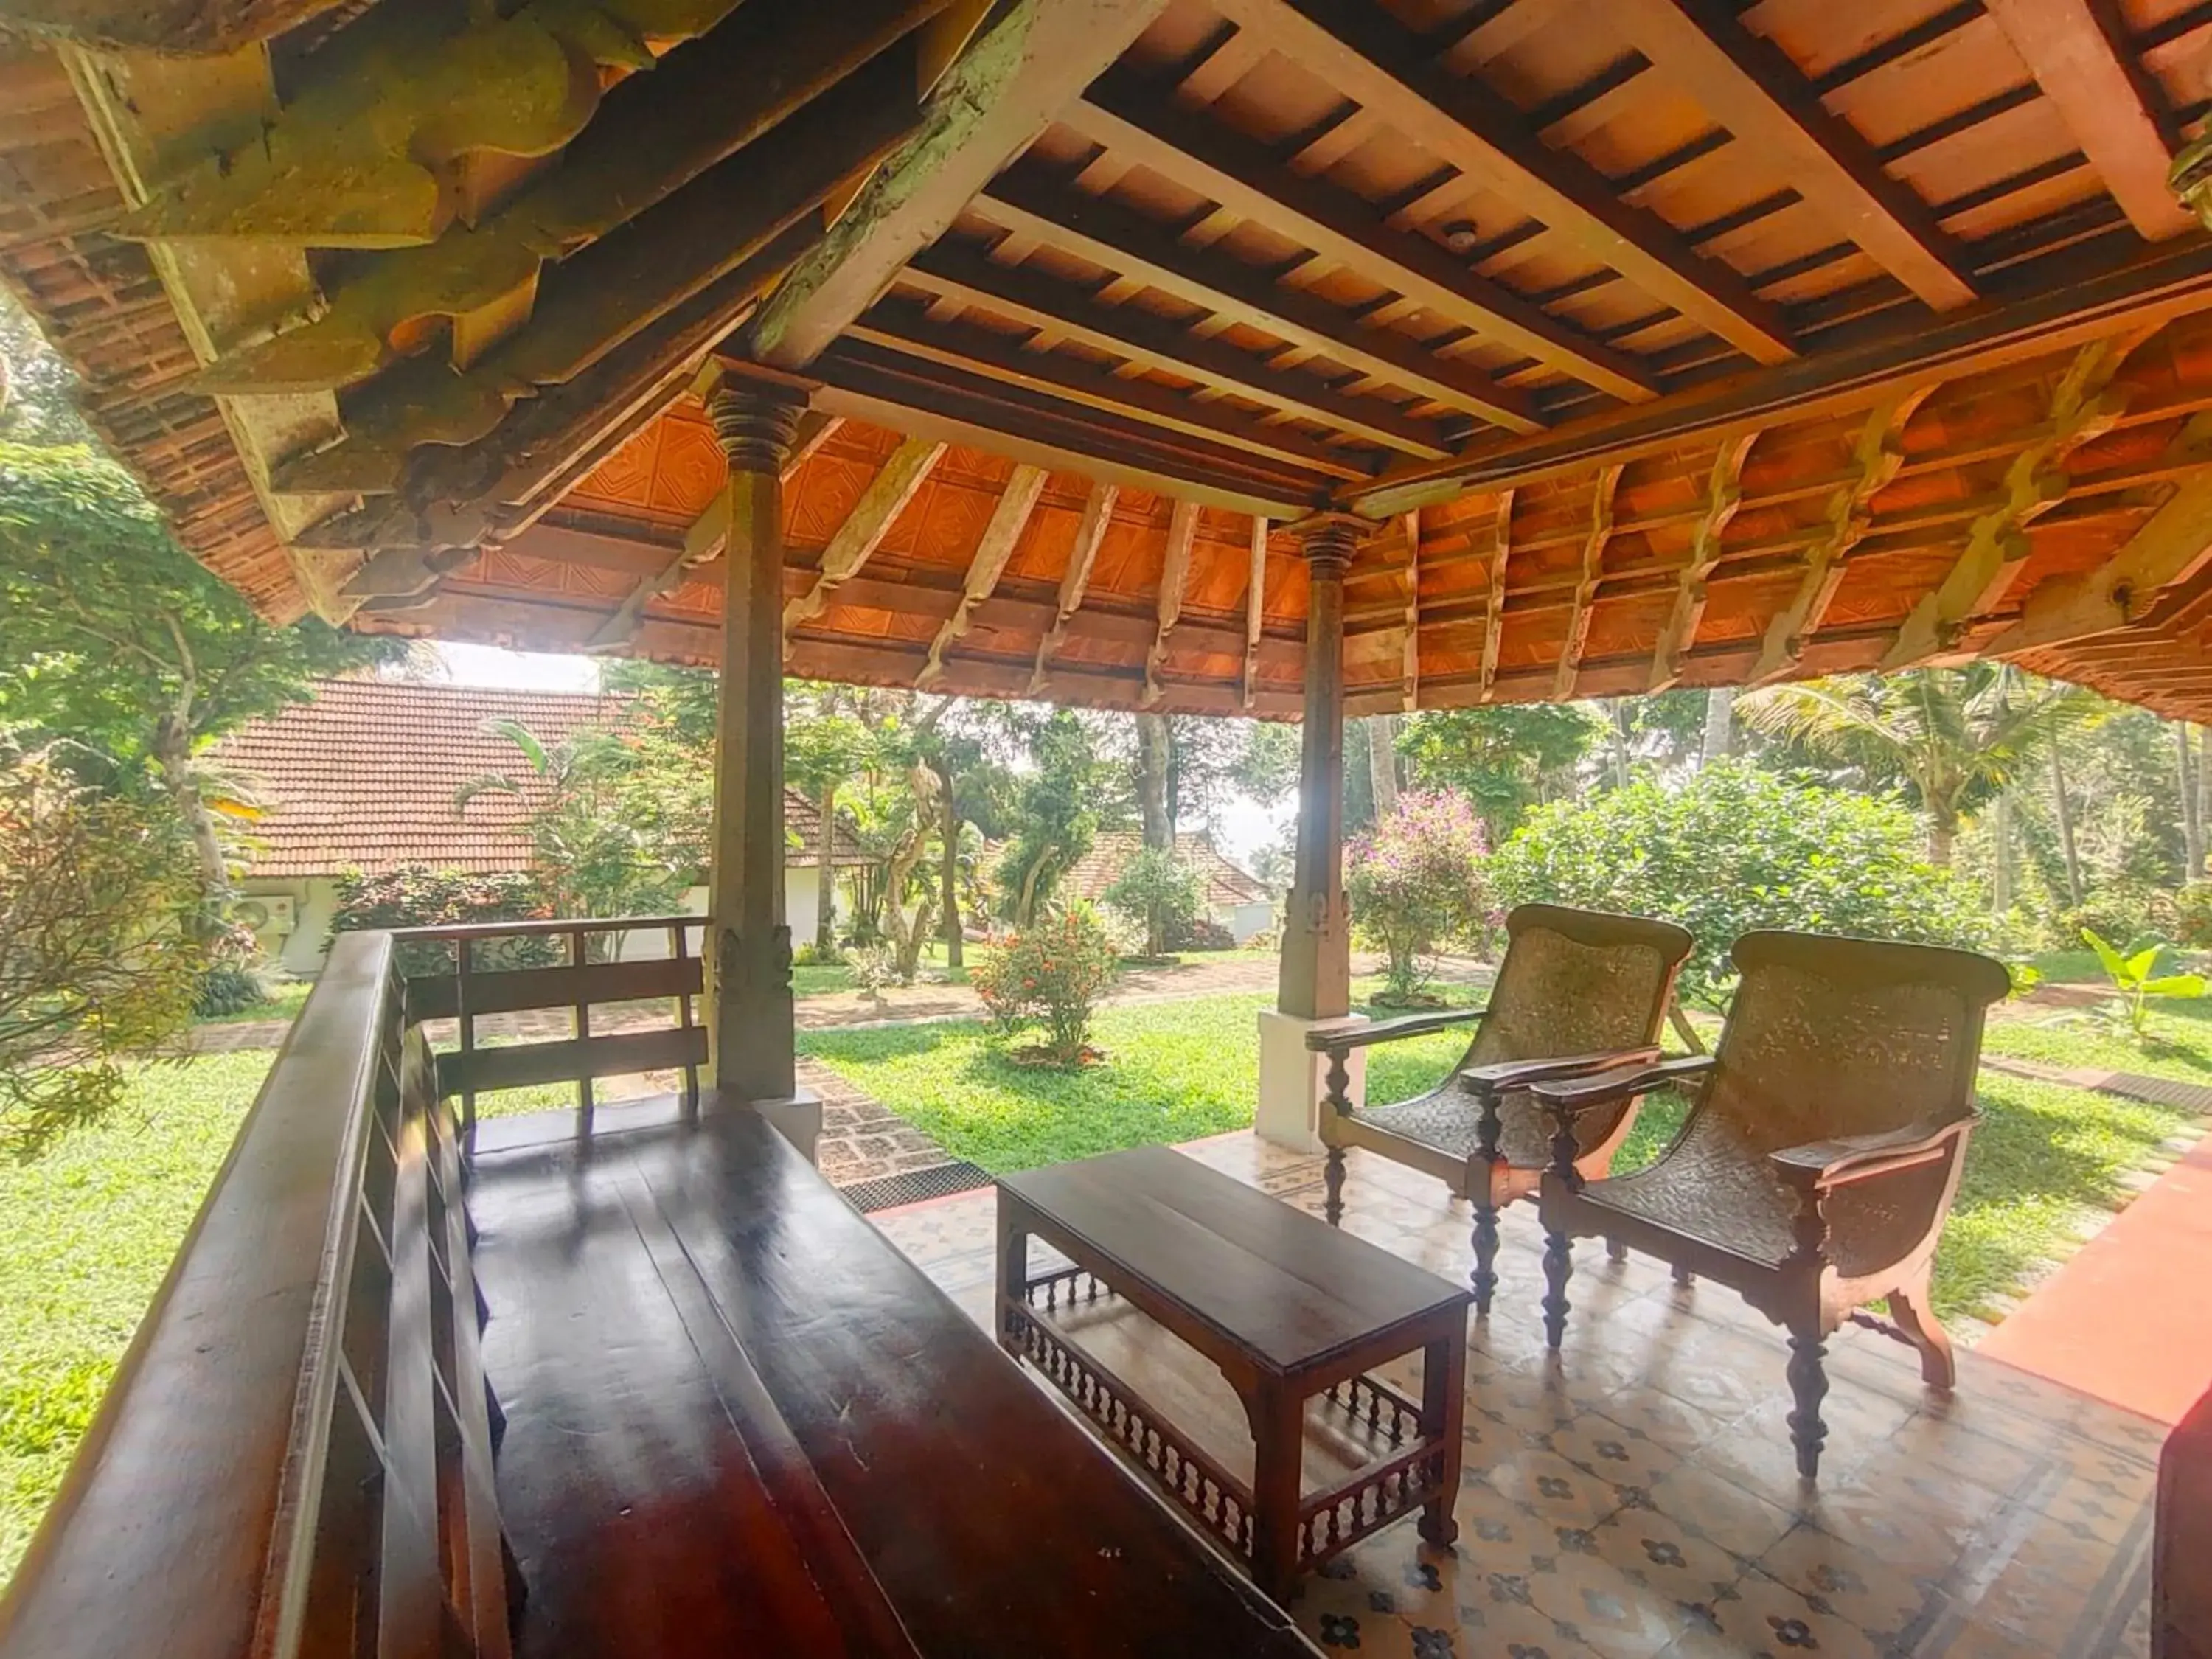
(363,778)
(1226,883)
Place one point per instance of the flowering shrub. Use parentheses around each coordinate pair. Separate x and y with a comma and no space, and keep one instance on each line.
(1052,974)
(1415,881)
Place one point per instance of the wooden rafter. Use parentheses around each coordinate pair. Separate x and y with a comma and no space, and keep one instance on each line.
(1493,622)
(1409,673)
(1128,116)
(1723,495)
(1063,311)
(1029,198)
(1089,532)
(1030,59)
(1762,99)
(169,26)
(2114,112)
(1876,457)
(1001,534)
(1255,601)
(1592,570)
(854,542)
(2084,405)
(1368,57)
(1175,577)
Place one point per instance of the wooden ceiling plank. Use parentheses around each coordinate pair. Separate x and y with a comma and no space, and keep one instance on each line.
(1175,577)
(1128,115)
(1723,496)
(1750,87)
(1126,331)
(1032,199)
(1030,60)
(2084,405)
(854,542)
(1089,532)
(1592,570)
(2114,113)
(1493,625)
(904,328)
(1255,600)
(1008,519)
(1410,669)
(1371,58)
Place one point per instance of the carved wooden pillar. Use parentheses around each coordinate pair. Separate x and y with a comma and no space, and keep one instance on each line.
(748,1024)
(1316,971)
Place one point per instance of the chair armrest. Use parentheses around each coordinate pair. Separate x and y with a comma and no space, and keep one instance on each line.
(1502,1076)
(1849,1158)
(1345,1040)
(1578,1095)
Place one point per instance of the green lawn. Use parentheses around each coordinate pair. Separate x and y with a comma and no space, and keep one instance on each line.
(2178,1043)
(284,1000)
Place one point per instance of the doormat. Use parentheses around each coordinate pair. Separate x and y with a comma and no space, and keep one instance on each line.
(937,1181)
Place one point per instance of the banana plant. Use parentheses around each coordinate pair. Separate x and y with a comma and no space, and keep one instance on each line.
(2136,978)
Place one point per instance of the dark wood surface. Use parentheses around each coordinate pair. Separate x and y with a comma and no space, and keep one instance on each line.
(739,1421)
(1273,1280)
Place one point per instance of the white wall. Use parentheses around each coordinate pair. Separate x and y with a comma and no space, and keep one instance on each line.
(314,900)
(1242,920)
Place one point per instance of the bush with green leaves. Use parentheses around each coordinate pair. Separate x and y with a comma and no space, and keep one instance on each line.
(2136,980)
(418,896)
(2126,910)
(1416,882)
(1159,891)
(2192,915)
(1735,848)
(1052,975)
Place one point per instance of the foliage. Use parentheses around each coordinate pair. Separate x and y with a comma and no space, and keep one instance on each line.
(416,897)
(1503,758)
(1416,881)
(93,972)
(2192,915)
(1735,848)
(2122,910)
(875,969)
(1051,974)
(1158,890)
(2135,977)
(1055,814)
(226,989)
(1200,934)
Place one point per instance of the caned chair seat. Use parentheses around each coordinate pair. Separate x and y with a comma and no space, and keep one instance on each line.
(1449,1120)
(1708,1189)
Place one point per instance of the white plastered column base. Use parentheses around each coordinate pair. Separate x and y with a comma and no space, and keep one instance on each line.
(798,1120)
(1294,1080)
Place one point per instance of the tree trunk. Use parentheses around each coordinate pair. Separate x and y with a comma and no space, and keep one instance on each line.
(1382,762)
(2001,834)
(950,879)
(1153,744)
(172,750)
(2062,809)
(825,847)
(1619,710)
(1943,830)
(2192,815)
(1720,724)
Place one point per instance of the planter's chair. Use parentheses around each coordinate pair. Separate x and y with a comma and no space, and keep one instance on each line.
(1821,1153)
(1578,991)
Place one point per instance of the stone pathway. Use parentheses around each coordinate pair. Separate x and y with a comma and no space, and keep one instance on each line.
(861,1138)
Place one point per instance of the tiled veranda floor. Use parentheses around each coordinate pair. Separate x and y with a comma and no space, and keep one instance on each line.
(1637,1497)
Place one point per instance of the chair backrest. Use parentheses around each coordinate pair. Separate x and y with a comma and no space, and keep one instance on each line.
(1832,1036)
(1576,982)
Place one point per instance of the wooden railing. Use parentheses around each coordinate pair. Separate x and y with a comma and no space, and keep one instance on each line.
(295,1457)
(591,976)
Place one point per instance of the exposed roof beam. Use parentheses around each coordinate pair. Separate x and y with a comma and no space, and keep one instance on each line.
(1411,672)
(905,326)
(1133,117)
(2084,405)
(1008,519)
(1877,455)
(1255,600)
(2112,109)
(1097,515)
(1059,308)
(1592,570)
(1026,65)
(854,542)
(1493,626)
(1368,57)
(1760,96)
(1027,197)
(1723,495)
(178,26)
(1174,576)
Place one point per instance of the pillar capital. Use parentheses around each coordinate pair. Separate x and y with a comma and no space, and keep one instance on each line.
(755,417)
(1329,539)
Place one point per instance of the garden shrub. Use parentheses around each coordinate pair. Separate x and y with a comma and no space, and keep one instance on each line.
(1416,882)
(1159,891)
(2192,915)
(227,987)
(1201,933)
(1051,974)
(1735,848)
(416,897)
(2123,911)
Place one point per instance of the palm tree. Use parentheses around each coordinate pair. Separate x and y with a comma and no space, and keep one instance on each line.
(1954,737)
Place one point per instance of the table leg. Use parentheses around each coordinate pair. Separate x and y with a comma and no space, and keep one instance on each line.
(1443,1404)
(1279,1444)
(1013,1268)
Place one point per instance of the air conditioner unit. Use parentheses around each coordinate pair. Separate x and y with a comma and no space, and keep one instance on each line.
(271,915)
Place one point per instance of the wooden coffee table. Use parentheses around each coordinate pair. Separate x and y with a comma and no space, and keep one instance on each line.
(1284,1305)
